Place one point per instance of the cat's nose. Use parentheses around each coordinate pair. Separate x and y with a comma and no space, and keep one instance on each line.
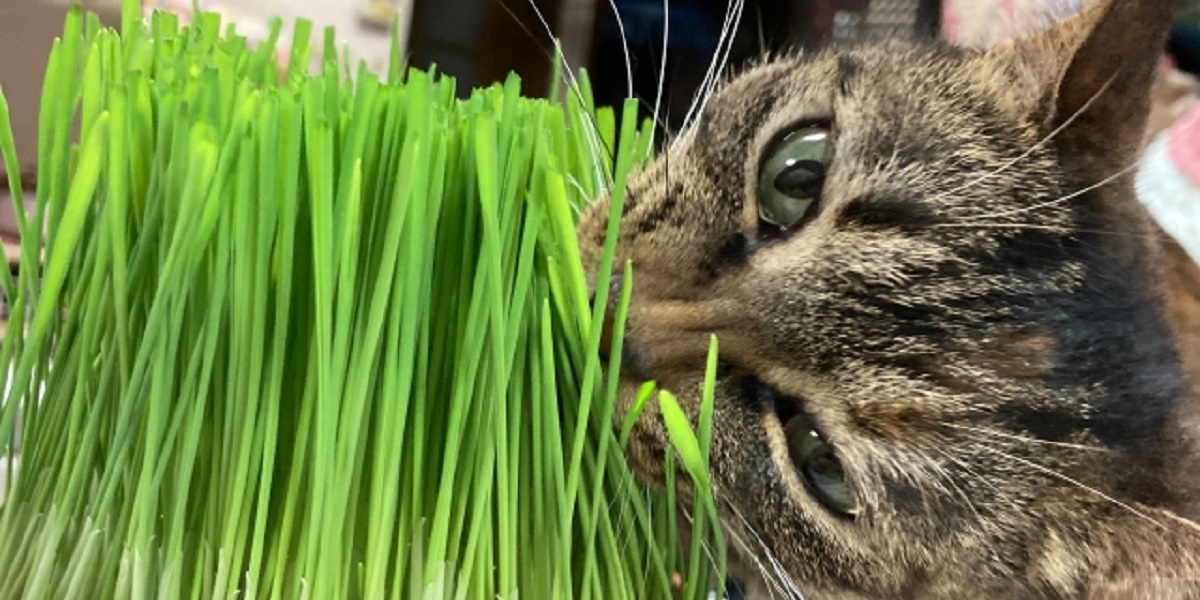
(606,330)
(633,360)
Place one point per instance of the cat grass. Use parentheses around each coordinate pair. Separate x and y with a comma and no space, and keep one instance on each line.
(281,334)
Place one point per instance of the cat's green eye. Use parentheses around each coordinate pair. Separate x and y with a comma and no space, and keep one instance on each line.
(819,467)
(791,178)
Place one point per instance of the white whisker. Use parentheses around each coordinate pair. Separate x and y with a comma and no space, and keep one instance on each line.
(1068,197)
(662,68)
(1054,228)
(948,479)
(733,18)
(708,551)
(625,47)
(1025,439)
(1034,148)
(781,578)
(1064,230)
(598,148)
(1072,481)
(748,553)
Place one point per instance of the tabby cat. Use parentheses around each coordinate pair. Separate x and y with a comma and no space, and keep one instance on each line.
(946,366)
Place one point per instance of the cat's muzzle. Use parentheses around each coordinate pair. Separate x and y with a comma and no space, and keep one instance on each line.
(631,357)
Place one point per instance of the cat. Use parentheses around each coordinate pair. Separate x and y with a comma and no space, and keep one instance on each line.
(947,369)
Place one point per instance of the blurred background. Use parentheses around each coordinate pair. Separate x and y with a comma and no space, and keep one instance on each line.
(481,41)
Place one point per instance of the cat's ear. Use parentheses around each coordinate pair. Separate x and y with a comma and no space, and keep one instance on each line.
(1095,68)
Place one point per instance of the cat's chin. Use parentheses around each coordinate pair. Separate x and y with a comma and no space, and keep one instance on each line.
(646,451)
(647,458)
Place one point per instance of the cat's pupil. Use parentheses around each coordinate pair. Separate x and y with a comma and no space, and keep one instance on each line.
(824,469)
(801,179)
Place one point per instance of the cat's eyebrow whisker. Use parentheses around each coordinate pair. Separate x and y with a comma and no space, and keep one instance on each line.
(966,466)
(1025,439)
(624,47)
(733,19)
(662,69)
(1035,147)
(1121,173)
(1072,481)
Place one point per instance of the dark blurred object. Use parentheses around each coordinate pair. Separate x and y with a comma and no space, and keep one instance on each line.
(505,46)
(480,42)
(695,26)
(1184,47)
(27,31)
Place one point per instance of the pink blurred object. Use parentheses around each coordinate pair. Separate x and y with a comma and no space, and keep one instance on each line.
(1168,181)
(1183,144)
(989,22)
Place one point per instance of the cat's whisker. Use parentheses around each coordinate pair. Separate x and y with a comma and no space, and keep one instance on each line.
(1051,228)
(599,149)
(629,535)
(1072,481)
(733,19)
(762,38)
(521,24)
(957,489)
(1121,173)
(1040,205)
(708,551)
(557,55)
(1054,228)
(764,575)
(770,576)
(787,586)
(1034,148)
(1025,439)
(662,70)
(624,47)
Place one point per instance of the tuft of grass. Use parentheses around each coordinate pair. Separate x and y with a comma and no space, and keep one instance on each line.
(311,336)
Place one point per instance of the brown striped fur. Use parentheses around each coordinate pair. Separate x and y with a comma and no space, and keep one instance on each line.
(974,319)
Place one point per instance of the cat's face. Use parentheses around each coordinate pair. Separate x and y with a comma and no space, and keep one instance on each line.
(944,370)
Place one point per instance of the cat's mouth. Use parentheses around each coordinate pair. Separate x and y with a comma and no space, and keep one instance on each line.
(647,456)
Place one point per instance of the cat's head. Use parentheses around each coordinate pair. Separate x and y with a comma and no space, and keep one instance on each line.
(944,367)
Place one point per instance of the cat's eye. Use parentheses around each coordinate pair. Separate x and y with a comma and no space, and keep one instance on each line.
(819,467)
(792,176)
